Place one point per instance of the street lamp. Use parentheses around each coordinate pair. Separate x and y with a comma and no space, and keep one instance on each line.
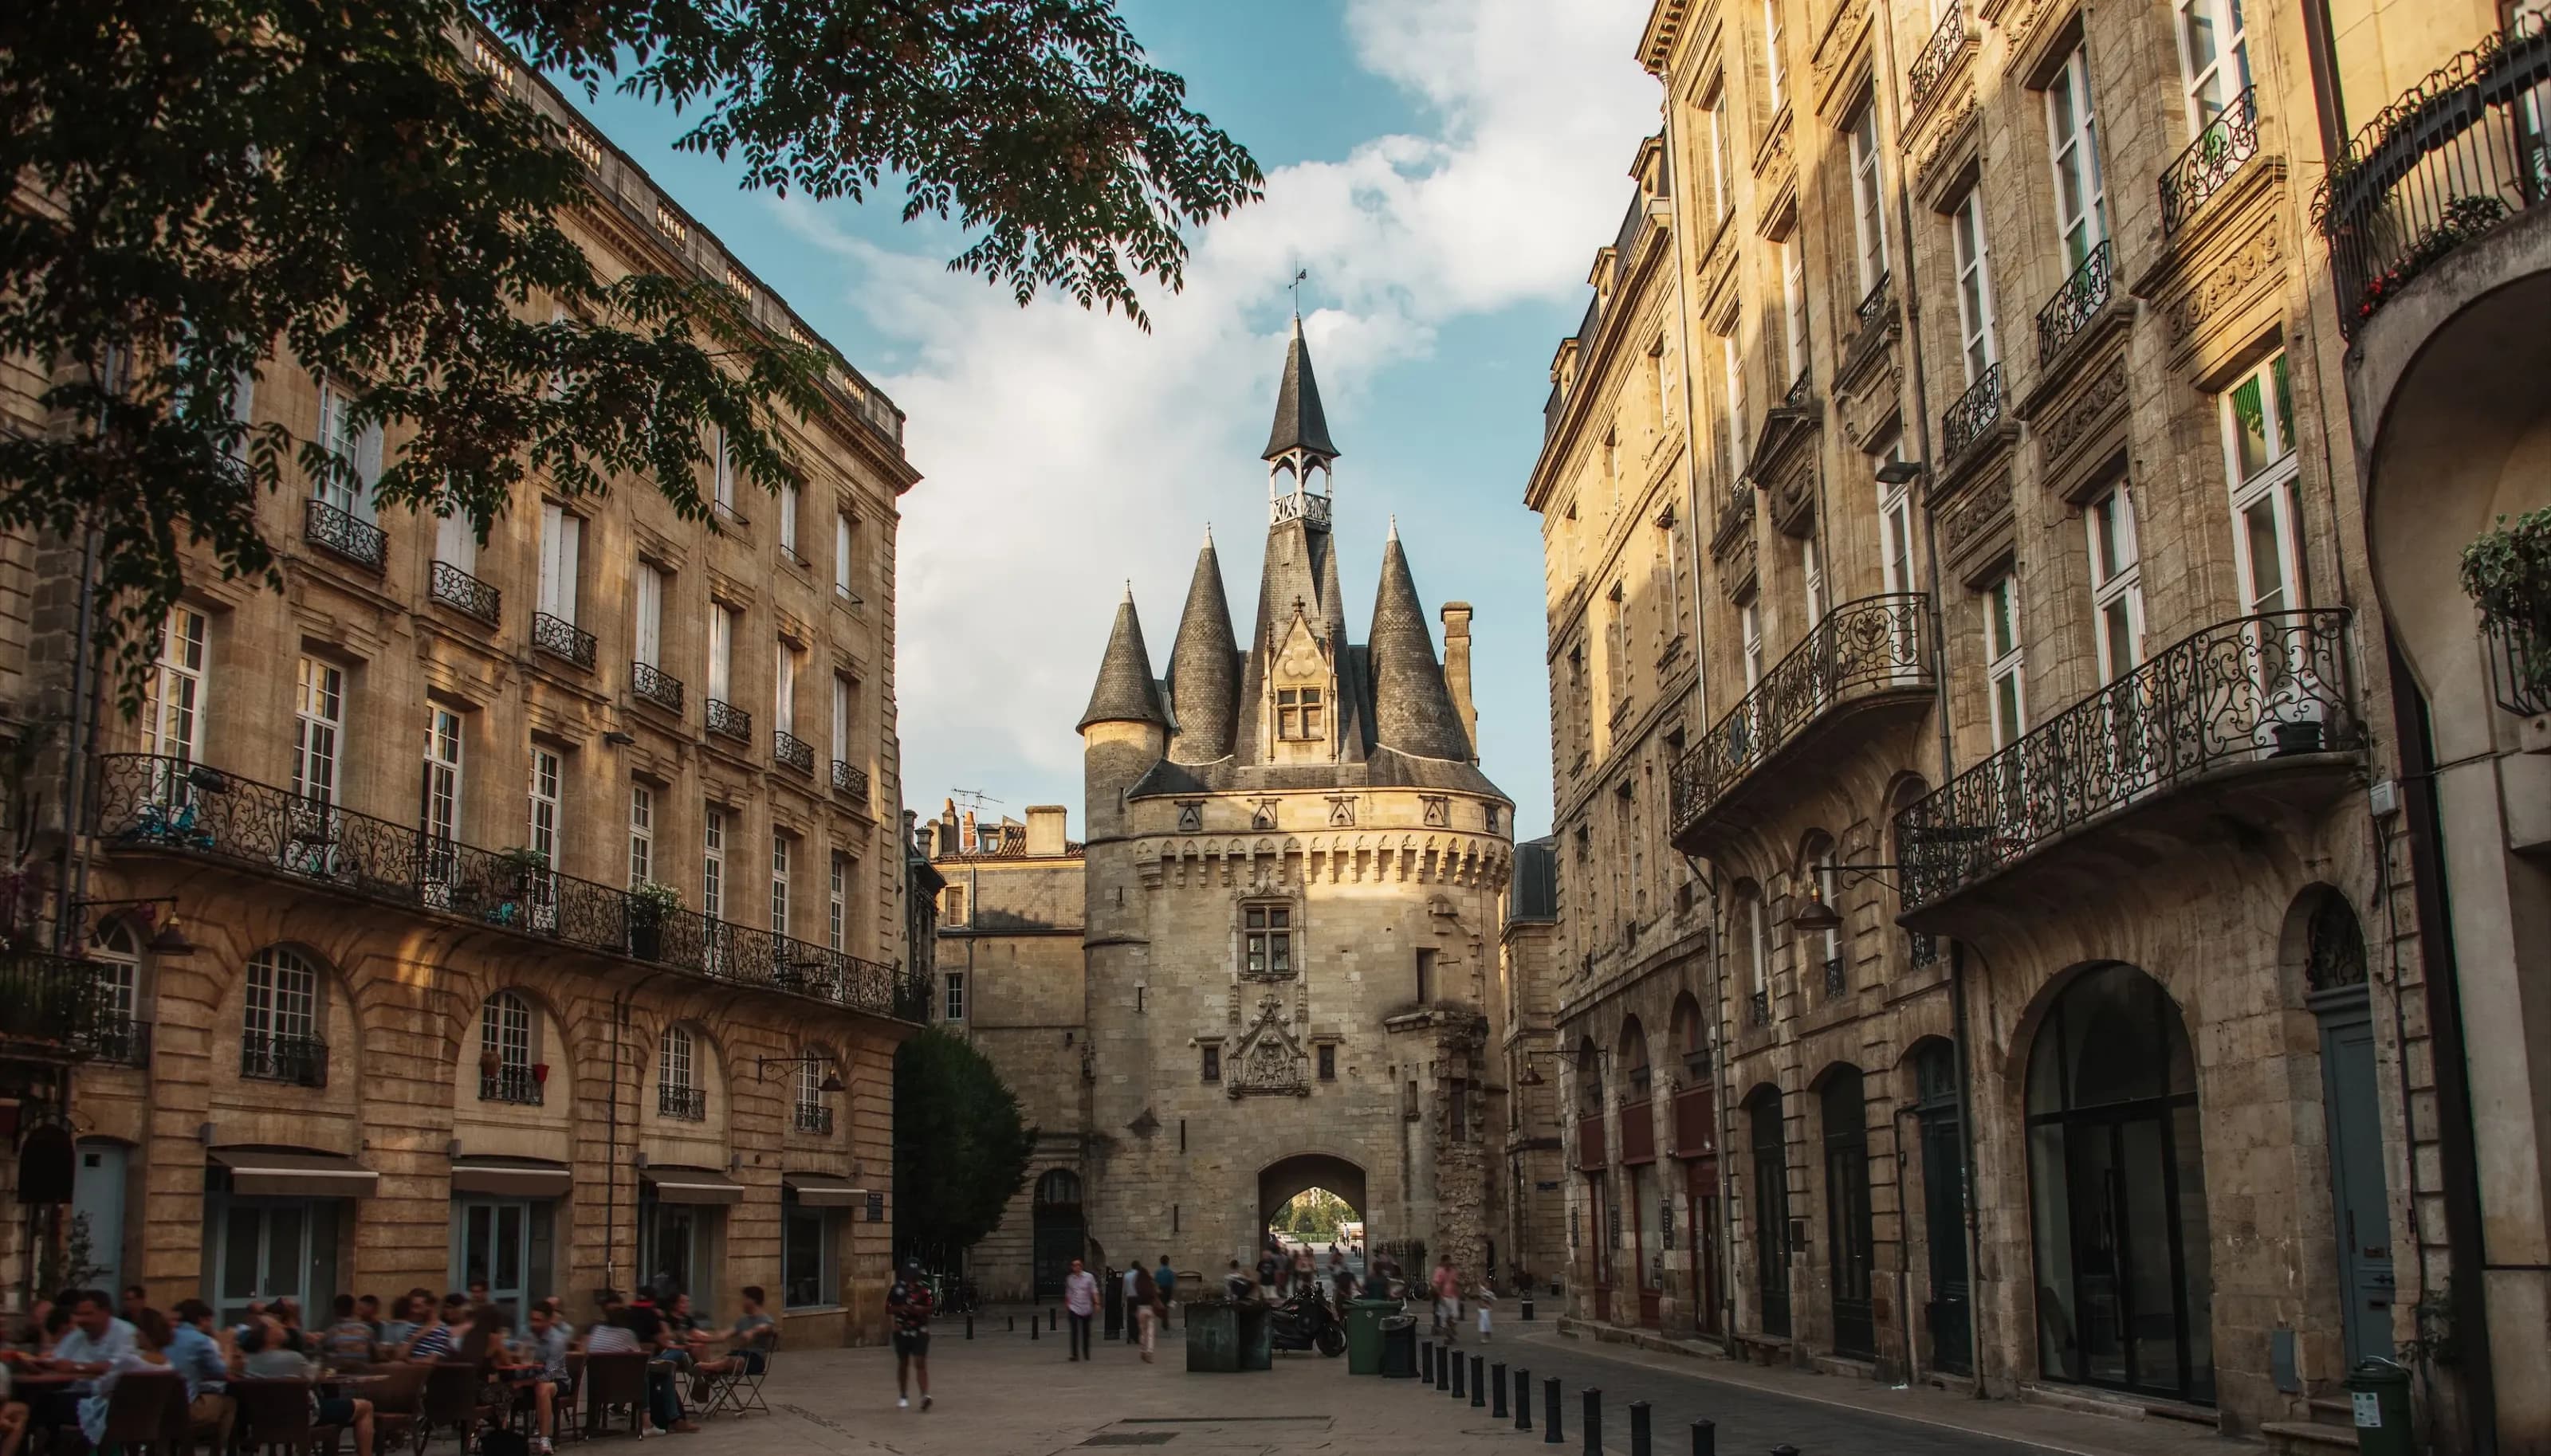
(168,934)
(1814,917)
(1900,472)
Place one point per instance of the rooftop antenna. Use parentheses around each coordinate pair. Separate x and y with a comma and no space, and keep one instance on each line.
(975,799)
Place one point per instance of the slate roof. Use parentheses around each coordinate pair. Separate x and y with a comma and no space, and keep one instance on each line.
(1125,692)
(1300,422)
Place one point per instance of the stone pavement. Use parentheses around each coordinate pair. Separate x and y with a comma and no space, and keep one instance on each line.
(1003,1394)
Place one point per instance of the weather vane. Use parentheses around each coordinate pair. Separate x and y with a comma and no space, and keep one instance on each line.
(1299,275)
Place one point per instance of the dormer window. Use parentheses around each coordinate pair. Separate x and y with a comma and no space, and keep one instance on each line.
(1298,713)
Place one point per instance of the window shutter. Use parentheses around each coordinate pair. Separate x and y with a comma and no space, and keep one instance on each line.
(840,720)
(650,613)
(721,648)
(569,554)
(842,553)
(457,543)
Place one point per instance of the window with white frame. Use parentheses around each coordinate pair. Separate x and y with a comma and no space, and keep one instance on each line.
(1715,108)
(543,841)
(841,719)
(2073,134)
(359,447)
(1266,936)
(2116,583)
(956,996)
(1776,73)
(1828,882)
(721,652)
(842,558)
(2004,676)
(441,794)
(722,487)
(1794,306)
(456,543)
(1975,284)
(1811,572)
(784,688)
(1750,620)
(788,520)
(713,864)
(951,905)
(119,971)
(1758,943)
(812,1069)
(837,903)
(676,1059)
(1868,198)
(562,544)
(1734,365)
(319,726)
(642,834)
(649,625)
(780,850)
(173,715)
(505,1032)
(2259,462)
(281,1002)
(2214,57)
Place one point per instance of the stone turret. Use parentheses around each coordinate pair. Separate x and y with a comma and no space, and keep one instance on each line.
(1412,711)
(1124,730)
(1204,668)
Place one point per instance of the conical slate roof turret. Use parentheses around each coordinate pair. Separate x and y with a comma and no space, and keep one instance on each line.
(1204,667)
(1412,711)
(1125,692)
(1301,424)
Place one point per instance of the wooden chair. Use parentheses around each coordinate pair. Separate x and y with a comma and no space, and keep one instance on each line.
(450,1402)
(137,1413)
(564,1408)
(614,1380)
(274,1416)
(398,1402)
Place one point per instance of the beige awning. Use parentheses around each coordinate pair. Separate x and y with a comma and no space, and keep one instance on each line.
(824,1189)
(522,1178)
(692,1186)
(258,1173)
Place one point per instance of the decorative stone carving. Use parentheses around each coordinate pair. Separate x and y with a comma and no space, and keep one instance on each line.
(2249,267)
(2105,392)
(1977,525)
(1844,38)
(1946,153)
(1736,573)
(1269,1061)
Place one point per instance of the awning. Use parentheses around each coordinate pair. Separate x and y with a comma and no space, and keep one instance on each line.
(691,1186)
(259,1173)
(823,1190)
(522,1178)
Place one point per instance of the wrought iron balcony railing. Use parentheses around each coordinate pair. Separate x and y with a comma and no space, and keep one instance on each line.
(1973,415)
(121,1041)
(1948,40)
(565,641)
(2210,160)
(1872,306)
(848,778)
(728,720)
(1837,976)
(511,1083)
(1758,1008)
(2074,303)
(652,684)
(1874,644)
(1735,512)
(790,749)
(55,1001)
(2456,154)
(1920,949)
(149,804)
(463,593)
(1800,396)
(815,1118)
(299,1060)
(2519,668)
(690,1103)
(2244,691)
(337,531)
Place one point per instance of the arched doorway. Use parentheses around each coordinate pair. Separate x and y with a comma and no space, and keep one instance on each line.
(1771,1211)
(2323,932)
(2117,1191)
(1695,1124)
(1849,1231)
(1060,1231)
(1638,1142)
(1944,1198)
(1280,1183)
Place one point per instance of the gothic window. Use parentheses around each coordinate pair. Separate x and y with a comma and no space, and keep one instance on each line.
(1267,940)
(1438,814)
(1298,713)
(1191,816)
(1263,815)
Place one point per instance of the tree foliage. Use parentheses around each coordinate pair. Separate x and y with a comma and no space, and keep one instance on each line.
(961,1144)
(1312,1215)
(207,186)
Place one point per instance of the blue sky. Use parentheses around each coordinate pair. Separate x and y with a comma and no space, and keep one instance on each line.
(1444,168)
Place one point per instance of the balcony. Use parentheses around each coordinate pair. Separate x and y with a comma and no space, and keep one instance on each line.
(1735,515)
(1973,416)
(1865,657)
(565,640)
(463,593)
(2441,165)
(121,1041)
(2077,303)
(145,803)
(53,1007)
(2519,669)
(511,1083)
(1837,978)
(850,780)
(2258,713)
(1300,506)
(687,1104)
(2210,161)
(337,532)
(730,721)
(813,1116)
(300,1061)
(1758,1008)
(792,750)
(648,683)
(1949,40)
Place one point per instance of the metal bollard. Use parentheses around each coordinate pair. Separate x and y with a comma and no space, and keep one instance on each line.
(1527,1307)
(1639,1428)
(1479,1381)
(969,1324)
(1704,1439)
(1049,1319)
(1014,1323)
(1459,1388)
(1784,1449)
(1443,1367)
(1593,1419)
(1550,1411)
(1425,1362)
(1524,1399)
(1033,1326)
(1498,1383)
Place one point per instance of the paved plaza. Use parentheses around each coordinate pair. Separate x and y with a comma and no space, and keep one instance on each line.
(1003,1394)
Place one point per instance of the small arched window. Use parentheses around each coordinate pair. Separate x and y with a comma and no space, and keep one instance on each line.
(279,1025)
(814,1111)
(119,968)
(505,1050)
(677,1090)
(1634,1058)
(1691,1038)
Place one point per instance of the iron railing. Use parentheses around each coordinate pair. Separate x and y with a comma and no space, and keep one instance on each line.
(2519,669)
(793,556)
(1948,40)
(2446,161)
(1837,976)
(815,1118)
(2082,296)
(511,1083)
(1920,949)
(848,597)
(1757,1008)
(121,1041)
(729,721)
(1874,644)
(654,684)
(1872,306)
(848,778)
(563,639)
(1799,396)
(1735,512)
(1973,416)
(2210,160)
(790,749)
(463,593)
(726,513)
(301,1061)
(2255,688)
(338,531)
(153,803)
(1299,505)
(690,1103)
(55,999)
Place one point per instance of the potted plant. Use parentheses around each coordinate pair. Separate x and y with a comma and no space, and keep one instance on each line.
(488,1062)
(2507,572)
(541,1072)
(648,903)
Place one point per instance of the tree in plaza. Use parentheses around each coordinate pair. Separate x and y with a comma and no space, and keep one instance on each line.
(1312,1216)
(205,186)
(960,1146)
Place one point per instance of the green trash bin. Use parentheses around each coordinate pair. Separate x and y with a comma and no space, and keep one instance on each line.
(1213,1337)
(1364,1334)
(2379,1390)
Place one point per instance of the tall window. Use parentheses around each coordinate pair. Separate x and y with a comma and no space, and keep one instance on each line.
(456,543)
(837,902)
(1758,943)
(1868,198)
(956,996)
(2258,461)
(1975,283)
(2116,584)
(562,542)
(2002,661)
(2073,130)
(1814,575)
(642,834)
(722,489)
(1715,108)
(810,1084)
(2214,57)
(780,851)
(721,652)
(319,722)
(543,839)
(789,517)
(119,972)
(841,720)
(784,688)
(1775,75)
(1827,883)
(675,1059)
(505,1030)
(1895,528)
(1297,713)
(1794,306)
(842,555)
(1750,621)
(442,794)
(177,686)
(713,864)
(1734,367)
(649,625)
(951,905)
(358,447)
(1268,938)
(282,998)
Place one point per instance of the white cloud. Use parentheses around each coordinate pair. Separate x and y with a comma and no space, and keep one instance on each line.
(1065,452)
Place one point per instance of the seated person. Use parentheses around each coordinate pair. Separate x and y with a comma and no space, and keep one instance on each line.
(265,1353)
(748,1344)
(348,1338)
(645,1324)
(197,1355)
(534,1366)
(442,1335)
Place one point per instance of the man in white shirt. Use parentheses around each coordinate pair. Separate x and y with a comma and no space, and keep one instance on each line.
(1079,1302)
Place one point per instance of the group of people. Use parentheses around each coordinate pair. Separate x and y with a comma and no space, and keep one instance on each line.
(85,1335)
(1145,1295)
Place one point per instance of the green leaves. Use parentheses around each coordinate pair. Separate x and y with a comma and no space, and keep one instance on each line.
(961,1145)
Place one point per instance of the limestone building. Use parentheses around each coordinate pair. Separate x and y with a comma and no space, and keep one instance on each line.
(1293,868)
(2046,887)
(1532,1234)
(530,909)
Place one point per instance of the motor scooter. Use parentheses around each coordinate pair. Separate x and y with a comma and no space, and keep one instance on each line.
(1306,1322)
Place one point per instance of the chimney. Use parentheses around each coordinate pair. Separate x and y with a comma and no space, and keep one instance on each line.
(948,828)
(1456,671)
(968,844)
(1045,830)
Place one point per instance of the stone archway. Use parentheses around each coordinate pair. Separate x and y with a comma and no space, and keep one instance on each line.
(1278,1182)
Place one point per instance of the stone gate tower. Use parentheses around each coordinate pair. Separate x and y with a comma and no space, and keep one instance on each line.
(1293,870)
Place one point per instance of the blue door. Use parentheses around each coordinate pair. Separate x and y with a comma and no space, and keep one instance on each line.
(97,1196)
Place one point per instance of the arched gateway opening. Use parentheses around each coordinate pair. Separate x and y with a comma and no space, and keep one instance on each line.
(1282,1183)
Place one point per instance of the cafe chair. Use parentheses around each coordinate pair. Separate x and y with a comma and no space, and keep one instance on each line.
(612,1382)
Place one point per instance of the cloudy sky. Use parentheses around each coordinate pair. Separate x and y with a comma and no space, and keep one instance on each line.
(1443,168)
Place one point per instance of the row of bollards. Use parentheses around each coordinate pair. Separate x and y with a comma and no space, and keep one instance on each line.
(1443,1367)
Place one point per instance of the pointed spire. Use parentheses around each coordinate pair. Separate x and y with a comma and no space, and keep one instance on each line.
(1204,667)
(1301,424)
(1411,708)
(1125,692)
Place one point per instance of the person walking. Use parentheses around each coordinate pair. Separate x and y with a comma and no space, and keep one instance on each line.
(1147,1308)
(1167,1278)
(1133,1275)
(1448,1300)
(909,1302)
(1080,1302)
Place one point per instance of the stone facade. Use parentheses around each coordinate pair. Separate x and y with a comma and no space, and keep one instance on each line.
(1534,1230)
(427,1033)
